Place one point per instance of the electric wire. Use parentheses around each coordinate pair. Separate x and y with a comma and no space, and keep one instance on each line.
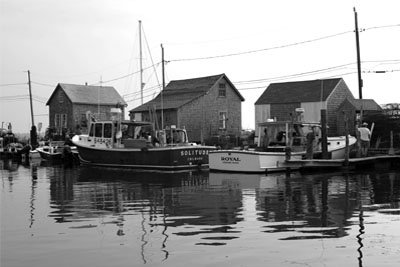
(262,49)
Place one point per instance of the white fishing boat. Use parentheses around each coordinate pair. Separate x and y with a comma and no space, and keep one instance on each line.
(271,154)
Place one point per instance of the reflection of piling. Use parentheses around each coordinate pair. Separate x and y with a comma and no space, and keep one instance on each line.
(391,149)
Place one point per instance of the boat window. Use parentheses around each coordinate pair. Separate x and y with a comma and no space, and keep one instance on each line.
(98,130)
(107,130)
(91,132)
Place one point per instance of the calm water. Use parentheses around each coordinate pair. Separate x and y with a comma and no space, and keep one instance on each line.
(55,216)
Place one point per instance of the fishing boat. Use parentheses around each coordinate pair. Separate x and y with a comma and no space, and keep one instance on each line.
(280,140)
(56,152)
(136,144)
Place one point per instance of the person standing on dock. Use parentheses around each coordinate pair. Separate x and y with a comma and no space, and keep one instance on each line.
(365,138)
(265,140)
(310,137)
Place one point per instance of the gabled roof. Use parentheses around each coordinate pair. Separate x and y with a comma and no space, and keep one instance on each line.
(365,104)
(301,91)
(180,92)
(89,94)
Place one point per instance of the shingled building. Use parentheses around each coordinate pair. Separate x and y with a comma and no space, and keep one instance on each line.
(70,104)
(206,106)
(280,100)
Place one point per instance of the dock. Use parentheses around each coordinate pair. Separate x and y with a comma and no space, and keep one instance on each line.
(374,162)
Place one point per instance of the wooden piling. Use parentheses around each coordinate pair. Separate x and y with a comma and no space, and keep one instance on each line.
(347,149)
(324,135)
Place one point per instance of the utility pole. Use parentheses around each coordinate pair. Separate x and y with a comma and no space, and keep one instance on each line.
(30,96)
(360,82)
(140,61)
(163,87)
(33,133)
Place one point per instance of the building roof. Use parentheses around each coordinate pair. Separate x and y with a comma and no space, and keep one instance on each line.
(365,104)
(180,92)
(89,94)
(300,91)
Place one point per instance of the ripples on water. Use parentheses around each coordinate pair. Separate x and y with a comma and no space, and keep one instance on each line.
(55,216)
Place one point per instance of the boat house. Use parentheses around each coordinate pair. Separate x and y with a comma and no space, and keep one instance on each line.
(280,101)
(205,107)
(71,104)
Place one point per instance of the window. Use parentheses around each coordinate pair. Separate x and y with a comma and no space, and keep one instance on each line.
(91,132)
(222,119)
(98,130)
(107,130)
(60,96)
(57,120)
(221,90)
(83,122)
(64,120)
(60,120)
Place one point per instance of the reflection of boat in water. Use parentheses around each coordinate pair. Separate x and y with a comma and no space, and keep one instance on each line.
(130,144)
(246,181)
(271,155)
(166,179)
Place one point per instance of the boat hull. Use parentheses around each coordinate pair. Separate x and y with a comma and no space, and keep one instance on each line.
(165,158)
(49,156)
(249,161)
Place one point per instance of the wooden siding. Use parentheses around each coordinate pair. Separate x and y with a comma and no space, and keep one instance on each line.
(201,116)
(336,98)
(262,114)
(312,111)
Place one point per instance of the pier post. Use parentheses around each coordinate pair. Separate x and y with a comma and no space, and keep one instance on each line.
(391,149)
(324,135)
(347,149)
(288,152)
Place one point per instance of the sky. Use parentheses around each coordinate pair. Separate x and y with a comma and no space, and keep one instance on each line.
(254,42)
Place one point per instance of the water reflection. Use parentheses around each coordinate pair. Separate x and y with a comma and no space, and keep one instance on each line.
(202,198)
(156,212)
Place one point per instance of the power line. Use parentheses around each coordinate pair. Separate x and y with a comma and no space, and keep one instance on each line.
(146,90)
(11,84)
(318,71)
(380,27)
(282,46)
(275,79)
(44,84)
(125,76)
(263,49)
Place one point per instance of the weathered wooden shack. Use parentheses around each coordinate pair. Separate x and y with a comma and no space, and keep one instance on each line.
(70,104)
(280,100)
(205,106)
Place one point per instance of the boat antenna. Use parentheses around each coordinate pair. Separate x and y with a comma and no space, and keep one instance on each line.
(163,86)
(360,82)
(98,97)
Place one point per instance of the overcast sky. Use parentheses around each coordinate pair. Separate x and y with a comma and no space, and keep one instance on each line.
(254,43)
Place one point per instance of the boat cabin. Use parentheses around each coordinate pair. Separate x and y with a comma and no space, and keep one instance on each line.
(280,134)
(133,134)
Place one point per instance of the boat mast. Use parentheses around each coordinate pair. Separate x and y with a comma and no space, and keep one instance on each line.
(360,82)
(163,86)
(140,61)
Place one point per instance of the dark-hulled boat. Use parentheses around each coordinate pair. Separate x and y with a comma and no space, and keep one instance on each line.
(133,144)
